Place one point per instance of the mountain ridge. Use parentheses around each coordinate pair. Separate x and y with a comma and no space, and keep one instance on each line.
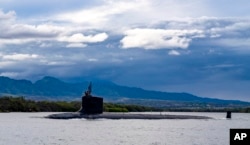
(55,89)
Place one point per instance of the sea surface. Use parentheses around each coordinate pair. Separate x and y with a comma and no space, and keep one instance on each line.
(33,129)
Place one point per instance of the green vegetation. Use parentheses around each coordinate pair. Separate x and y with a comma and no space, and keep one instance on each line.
(111,107)
(20,104)
(238,110)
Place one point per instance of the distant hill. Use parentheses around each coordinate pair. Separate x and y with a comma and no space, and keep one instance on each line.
(50,88)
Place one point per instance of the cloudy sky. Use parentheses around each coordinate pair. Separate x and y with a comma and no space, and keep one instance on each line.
(197,46)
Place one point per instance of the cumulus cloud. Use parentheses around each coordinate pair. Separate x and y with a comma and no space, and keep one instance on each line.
(163,33)
(13,32)
(5,17)
(172,34)
(21,32)
(35,39)
(32,31)
(80,38)
(158,38)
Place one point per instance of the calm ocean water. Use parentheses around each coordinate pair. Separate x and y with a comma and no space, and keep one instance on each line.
(32,129)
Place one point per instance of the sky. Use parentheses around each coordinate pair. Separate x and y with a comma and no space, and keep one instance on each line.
(200,47)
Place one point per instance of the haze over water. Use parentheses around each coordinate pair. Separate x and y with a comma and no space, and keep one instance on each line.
(31,128)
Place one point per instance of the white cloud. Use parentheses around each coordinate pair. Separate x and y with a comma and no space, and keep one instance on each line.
(114,16)
(20,57)
(34,35)
(117,15)
(92,59)
(31,31)
(80,38)
(14,41)
(235,28)
(7,17)
(76,45)
(12,29)
(100,14)
(44,45)
(174,52)
(59,63)
(10,74)
(158,38)
(13,32)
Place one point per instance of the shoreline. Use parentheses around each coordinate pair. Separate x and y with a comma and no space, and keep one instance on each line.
(107,115)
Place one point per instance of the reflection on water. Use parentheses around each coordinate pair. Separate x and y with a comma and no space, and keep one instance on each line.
(31,128)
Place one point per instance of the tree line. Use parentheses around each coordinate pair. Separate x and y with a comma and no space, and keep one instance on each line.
(20,104)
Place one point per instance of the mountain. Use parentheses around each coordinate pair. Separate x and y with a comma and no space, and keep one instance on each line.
(46,88)
(55,89)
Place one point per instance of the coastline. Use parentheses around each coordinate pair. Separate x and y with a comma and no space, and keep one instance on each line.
(107,115)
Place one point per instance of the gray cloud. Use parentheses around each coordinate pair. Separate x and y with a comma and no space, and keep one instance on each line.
(131,43)
(182,33)
(19,33)
(158,38)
